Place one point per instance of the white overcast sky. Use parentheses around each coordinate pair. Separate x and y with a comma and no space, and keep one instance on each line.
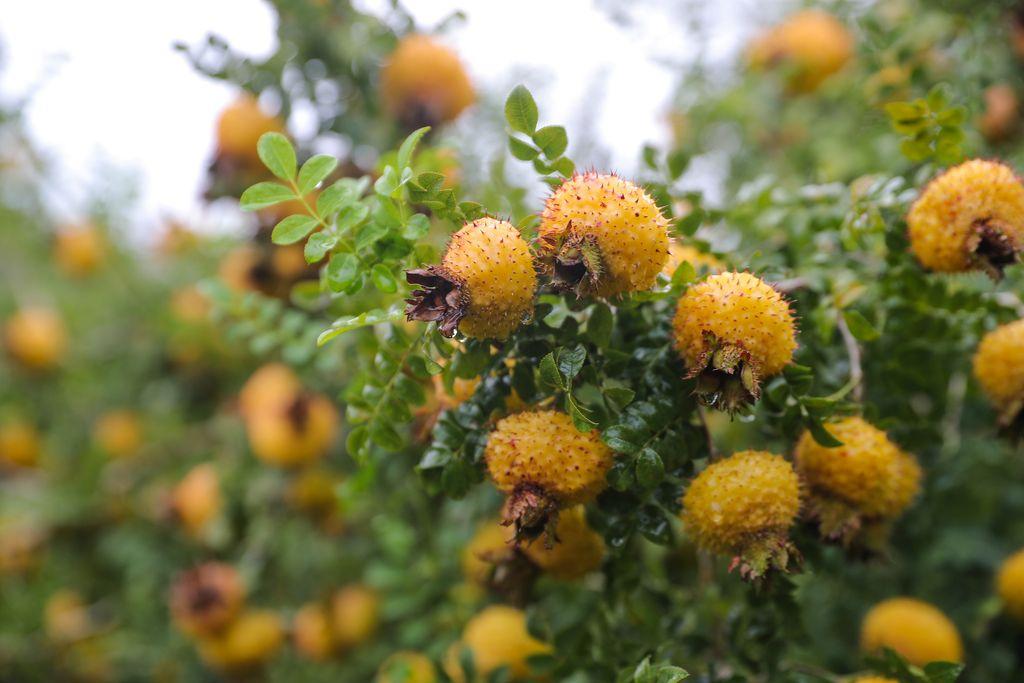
(106,86)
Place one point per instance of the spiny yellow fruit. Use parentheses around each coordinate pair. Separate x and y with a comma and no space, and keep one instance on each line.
(355,612)
(247,642)
(577,549)
(20,444)
(733,330)
(916,630)
(602,235)
(744,506)
(240,126)
(970,217)
(196,499)
(1011,585)
(265,387)
(679,253)
(312,632)
(79,249)
(812,45)
(295,431)
(487,548)
(999,369)
(118,433)
(66,617)
(407,667)
(496,637)
(36,338)
(205,600)
(867,475)
(484,286)
(424,83)
(545,464)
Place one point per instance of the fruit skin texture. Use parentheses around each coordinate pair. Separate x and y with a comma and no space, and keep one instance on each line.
(915,629)
(603,235)
(733,330)
(293,432)
(79,250)
(20,444)
(407,667)
(543,449)
(679,253)
(743,506)
(577,551)
(240,126)
(249,641)
(497,636)
(118,433)
(814,44)
(196,499)
(484,286)
(205,600)
(425,83)
(36,338)
(999,369)
(971,216)
(868,471)
(312,632)
(1010,584)
(354,615)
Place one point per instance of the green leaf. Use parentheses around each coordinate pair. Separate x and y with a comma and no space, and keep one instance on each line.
(521,110)
(388,182)
(599,325)
(340,193)
(943,672)
(549,374)
(859,326)
(383,279)
(570,361)
(552,140)
(349,323)
(523,151)
(564,166)
(351,215)
(417,227)
(293,229)
(408,147)
(820,434)
(677,163)
(277,154)
(262,195)
(317,246)
(650,470)
(370,234)
(315,170)
(688,224)
(684,273)
(342,270)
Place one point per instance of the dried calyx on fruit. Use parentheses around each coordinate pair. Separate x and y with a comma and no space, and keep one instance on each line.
(483,287)
(969,218)
(733,330)
(206,599)
(601,235)
(744,506)
(544,464)
(858,488)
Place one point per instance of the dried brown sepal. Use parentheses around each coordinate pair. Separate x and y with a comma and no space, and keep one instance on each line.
(577,267)
(441,298)
(205,599)
(726,378)
(532,513)
(512,576)
(991,249)
(297,412)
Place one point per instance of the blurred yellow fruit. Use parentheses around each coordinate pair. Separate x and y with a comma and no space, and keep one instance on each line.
(810,45)
(240,126)
(79,249)
(20,444)
(36,338)
(196,499)
(20,543)
(679,253)
(424,83)
(1011,585)
(577,550)
(1002,113)
(265,387)
(496,637)
(247,643)
(118,433)
(488,546)
(189,305)
(66,617)
(407,667)
(354,615)
(916,630)
(999,369)
(312,632)
(294,431)
(206,599)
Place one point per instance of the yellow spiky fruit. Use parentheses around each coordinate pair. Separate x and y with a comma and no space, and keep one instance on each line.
(1010,585)
(312,632)
(811,45)
(118,433)
(355,613)
(916,630)
(601,235)
(680,253)
(999,369)
(544,464)
(205,600)
(744,506)
(407,667)
(196,499)
(733,330)
(36,338)
(424,83)
(489,546)
(247,643)
(79,249)
(868,476)
(969,218)
(496,637)
(576,551)
(295,430)
(240,126)
(484,286)
(20,444)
